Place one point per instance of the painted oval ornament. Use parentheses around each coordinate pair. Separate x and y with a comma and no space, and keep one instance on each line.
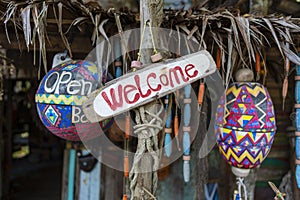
(245,124)
(60,96)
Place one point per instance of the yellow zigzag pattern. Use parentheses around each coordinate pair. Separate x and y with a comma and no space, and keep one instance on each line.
(59,99)
(241,134)
(255,91)
(246,154)
(236,91)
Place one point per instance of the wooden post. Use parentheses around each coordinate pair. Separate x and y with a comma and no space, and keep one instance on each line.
(201,166)
(153,11)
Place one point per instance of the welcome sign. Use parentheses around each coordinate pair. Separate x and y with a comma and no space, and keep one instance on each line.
(153,81)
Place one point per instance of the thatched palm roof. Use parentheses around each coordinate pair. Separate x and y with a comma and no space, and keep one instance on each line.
(239,37)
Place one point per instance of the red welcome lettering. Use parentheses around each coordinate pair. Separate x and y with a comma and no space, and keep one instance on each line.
(188,68)
(174,72)
(114,104)
(127,90)
(153,75)
(138,84)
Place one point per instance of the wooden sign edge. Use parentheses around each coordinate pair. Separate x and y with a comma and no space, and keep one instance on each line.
(88,107)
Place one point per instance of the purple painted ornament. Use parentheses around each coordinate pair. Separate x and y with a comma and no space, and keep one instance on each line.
(60,96)
(245,125)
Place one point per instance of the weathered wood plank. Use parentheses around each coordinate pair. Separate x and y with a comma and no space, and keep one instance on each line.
(112,184)
(145,85)
(90,184)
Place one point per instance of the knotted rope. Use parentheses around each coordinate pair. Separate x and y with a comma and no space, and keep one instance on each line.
(148,125)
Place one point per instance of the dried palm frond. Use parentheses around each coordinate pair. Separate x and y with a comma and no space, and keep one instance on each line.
(25,15)
(238,37)
(39,19)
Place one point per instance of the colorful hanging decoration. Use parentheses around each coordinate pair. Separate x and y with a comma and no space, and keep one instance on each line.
(186,132)
(245,125)
(176,121)
(297,133)
(201,91)
(168,128)
(60,96)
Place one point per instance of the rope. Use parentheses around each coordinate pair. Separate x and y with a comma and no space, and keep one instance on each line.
(141,42)
(146,131)
(152,38)
(241,186)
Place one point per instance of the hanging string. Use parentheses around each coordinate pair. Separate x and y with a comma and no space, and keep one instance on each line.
(123,43)
(141,42)
(241,189)
(152,38)
(179,41)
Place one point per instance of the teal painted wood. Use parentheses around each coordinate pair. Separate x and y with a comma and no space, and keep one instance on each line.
(118,72)
(90,182)
(71,178)
(169,118)
(186,143)
(297,139)
(186,171)
(168,139)
(298,175)
(168,144)
(186,135)
(297,146)
(187,115)
(187,91)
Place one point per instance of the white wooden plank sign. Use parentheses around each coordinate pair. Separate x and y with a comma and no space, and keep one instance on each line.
(143,86)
